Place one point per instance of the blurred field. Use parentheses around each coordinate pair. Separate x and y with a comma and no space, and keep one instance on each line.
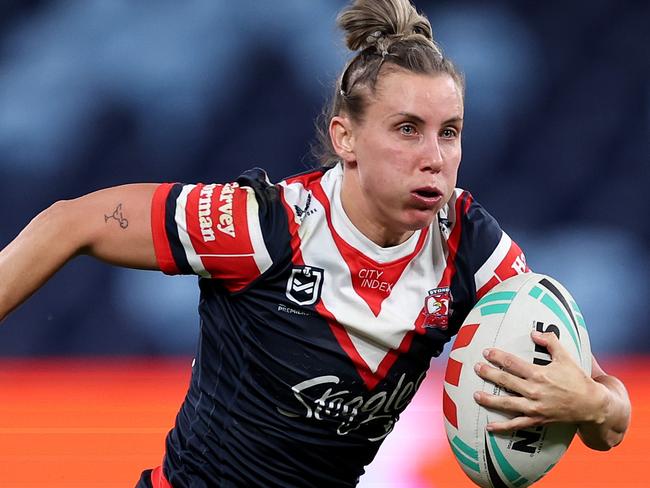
(100,422)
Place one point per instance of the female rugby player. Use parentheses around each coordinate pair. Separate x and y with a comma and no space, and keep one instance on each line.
(314,331)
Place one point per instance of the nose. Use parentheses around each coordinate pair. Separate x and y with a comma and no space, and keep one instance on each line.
(431,157)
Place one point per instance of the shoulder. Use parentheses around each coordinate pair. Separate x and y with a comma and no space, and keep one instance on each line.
(258,180)
(307,179)
(487,250)
(298,191)
(467,217)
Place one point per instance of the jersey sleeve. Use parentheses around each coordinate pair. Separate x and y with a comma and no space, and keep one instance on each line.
(484,255)
(497,256)
(216,231)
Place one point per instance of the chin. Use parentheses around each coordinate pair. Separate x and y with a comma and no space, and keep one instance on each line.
(417,222)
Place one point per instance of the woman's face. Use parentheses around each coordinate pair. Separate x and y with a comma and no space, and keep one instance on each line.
(403,157)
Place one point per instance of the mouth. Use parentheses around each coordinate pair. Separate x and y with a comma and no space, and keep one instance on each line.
(427,193)
(427,197)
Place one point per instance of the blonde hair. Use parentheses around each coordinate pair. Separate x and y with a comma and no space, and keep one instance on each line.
(384,34)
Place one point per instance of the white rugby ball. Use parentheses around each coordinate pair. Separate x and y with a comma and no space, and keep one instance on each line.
(504,319)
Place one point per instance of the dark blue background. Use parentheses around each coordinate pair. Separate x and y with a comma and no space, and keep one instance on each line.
(95,94)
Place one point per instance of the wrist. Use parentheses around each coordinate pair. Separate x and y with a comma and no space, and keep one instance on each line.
(600,404)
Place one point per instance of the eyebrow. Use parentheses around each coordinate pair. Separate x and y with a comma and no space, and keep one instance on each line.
(420,120)
(453,120)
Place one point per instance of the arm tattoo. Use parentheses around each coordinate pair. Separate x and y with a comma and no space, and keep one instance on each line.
(117,215)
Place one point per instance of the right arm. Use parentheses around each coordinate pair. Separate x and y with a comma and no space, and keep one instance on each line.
(113,225)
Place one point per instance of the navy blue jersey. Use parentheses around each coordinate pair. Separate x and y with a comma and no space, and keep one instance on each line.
(313,339)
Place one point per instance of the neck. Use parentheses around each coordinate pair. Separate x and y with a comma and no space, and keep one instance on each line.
(361,212)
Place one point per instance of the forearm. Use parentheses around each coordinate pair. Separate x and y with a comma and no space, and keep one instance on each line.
(608,428)
(45,245)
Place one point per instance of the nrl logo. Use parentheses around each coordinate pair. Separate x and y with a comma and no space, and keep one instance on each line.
(304,285)
(436,308)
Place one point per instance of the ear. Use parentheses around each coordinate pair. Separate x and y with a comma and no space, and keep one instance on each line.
(342,137)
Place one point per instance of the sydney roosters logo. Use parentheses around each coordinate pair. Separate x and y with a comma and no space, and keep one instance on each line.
(436,308)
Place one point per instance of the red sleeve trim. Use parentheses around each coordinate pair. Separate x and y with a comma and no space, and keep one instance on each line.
(161,245)
(158,479)
(513,263)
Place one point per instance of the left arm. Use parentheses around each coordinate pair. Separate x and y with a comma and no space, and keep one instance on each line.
(558,392)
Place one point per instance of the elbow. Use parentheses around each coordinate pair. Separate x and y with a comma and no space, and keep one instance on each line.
(603,441)
(608,443)
(613,439)
(609,431)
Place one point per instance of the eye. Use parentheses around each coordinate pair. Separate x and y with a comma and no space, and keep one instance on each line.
(408,129)
(449,133)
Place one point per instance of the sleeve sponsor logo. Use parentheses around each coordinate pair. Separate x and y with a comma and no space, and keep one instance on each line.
(226,224)
(205,208)
(519,265)
(224,221)
(512,264)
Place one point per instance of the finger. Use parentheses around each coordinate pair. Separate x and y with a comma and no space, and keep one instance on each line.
(508,362)
(514,405)
(516,423)
(502,379)
(551,342)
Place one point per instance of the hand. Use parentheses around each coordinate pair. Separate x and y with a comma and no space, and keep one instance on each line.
(558,392)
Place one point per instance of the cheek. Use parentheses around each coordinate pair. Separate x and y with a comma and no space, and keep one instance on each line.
(381,167)
(449,174)
(378,181)
(454,166)
(453,162)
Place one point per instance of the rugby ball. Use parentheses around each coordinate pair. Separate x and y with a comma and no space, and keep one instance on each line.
(504,318)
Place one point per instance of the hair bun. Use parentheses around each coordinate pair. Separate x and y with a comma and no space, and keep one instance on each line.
(369,23)
(374,37)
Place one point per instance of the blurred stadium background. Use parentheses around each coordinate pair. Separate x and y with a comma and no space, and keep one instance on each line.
(95,93)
